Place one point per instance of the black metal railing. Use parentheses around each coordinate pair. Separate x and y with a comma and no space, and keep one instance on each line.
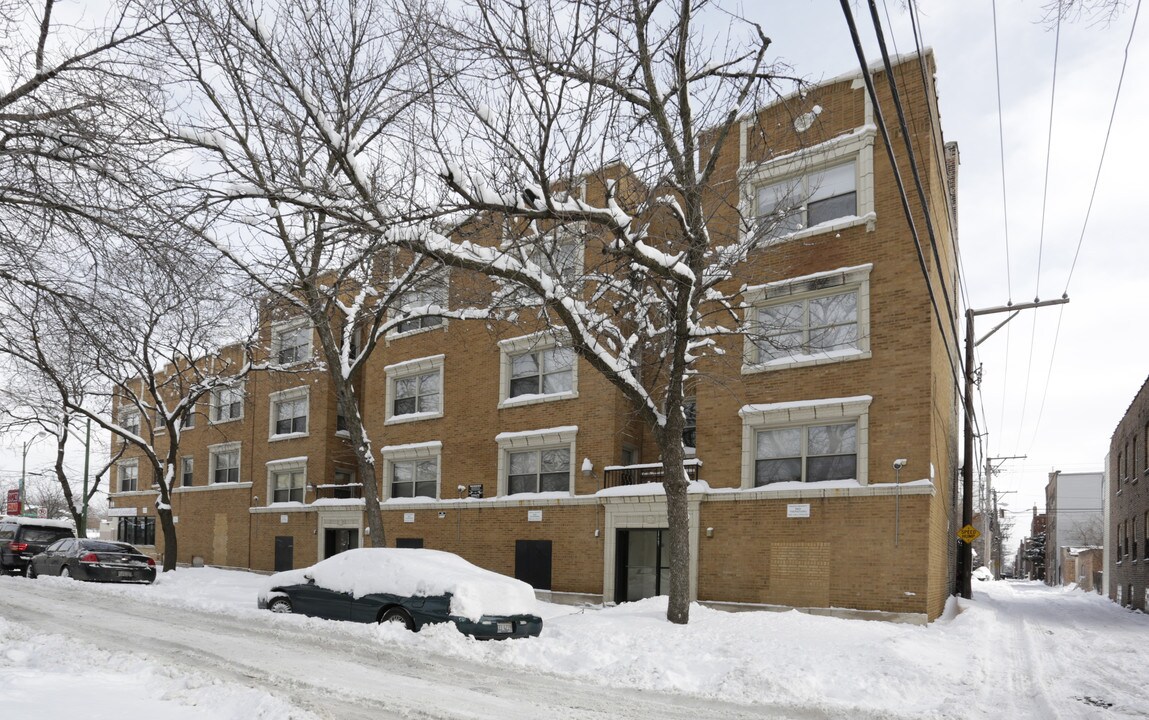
(345,491)
(639,474)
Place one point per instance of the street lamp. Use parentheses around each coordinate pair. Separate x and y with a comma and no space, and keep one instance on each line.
(24,465)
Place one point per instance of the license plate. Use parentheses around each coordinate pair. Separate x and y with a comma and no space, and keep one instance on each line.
(125,573)
(505,627)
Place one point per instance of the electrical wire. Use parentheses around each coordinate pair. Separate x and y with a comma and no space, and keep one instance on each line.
(1048,151)
(1085,224)
(918,186)
(878,116)
(1104,147)
(1001,150)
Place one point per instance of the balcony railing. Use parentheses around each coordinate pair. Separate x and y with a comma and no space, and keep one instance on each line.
(620,475)
(345,491)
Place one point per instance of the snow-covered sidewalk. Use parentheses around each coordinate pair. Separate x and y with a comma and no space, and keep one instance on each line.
(1017,650)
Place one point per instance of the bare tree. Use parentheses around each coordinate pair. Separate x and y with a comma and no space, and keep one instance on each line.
(74,165)
(1089,532)
(291,105)
(631,97)
(601,122)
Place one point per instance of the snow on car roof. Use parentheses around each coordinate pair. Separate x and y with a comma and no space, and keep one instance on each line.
(42,522)
(416,572)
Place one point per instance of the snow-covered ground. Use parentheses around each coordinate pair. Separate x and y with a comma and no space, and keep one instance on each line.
(1017,650)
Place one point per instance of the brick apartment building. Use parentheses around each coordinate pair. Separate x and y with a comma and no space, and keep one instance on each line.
(504,447)
(1127,573)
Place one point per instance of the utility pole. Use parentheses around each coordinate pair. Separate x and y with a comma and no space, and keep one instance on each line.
(989,514)
(965,556)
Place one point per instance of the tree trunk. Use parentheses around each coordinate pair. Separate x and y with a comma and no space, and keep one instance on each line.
(678,522)
(169,529)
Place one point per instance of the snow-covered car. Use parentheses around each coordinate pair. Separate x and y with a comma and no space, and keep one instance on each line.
(408,586)
(94,561)
(23,537)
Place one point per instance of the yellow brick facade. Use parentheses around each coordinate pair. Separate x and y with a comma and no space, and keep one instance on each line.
(875,546)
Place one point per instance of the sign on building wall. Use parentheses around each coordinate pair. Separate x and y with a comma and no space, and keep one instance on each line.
(475,491)
(798,510)
(408,517)
(534,515)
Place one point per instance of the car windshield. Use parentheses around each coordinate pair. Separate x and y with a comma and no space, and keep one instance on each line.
(45,535)
(98,546)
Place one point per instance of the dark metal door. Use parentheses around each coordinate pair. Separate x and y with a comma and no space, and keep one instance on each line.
(336,540)
(533,563)
(284,553)
(415,543)
(642,567)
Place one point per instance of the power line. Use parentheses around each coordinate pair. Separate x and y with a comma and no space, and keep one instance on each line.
(1048,150)
(1001,149)
(1105,146)
(879,117)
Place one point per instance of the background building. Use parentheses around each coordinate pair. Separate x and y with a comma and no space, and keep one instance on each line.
(1074,505)
(1128,493)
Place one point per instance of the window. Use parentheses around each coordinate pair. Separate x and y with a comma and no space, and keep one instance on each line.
(415,478)
(129,475)
(690,430)
(785,207)
(415,389)
(807,453)
(227,404)
(224,461)
(289,412)
(130,421)
(287,485)
(539,471)
(558,252)
(291,342)
(136,530)
(537,368)
(536,461)
(819,318)
(827,187)
(805,442)
(413,470)
(421,303)
(187,420)
(187,475)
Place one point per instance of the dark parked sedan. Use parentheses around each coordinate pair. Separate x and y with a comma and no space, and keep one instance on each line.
(94,560)
(412,587)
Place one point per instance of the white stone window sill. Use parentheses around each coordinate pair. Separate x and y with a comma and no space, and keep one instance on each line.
(225,421)
(133,493)
(288,436)
(412,417)
(535,399)
(214,486)
(417,331)
(851,221)
(796,361)
(345,434)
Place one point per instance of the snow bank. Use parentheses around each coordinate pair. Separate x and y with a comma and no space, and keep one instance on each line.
(400,571)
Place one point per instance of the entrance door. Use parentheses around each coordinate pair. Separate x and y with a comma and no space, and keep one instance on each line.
(533,563)
(284,553)
(336,540)
(642,565)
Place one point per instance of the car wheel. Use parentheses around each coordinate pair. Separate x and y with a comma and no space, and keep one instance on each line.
(30,572)
(279,605)
(65,572)
(399,615)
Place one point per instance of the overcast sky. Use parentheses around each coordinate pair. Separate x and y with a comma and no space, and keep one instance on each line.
(1057,404)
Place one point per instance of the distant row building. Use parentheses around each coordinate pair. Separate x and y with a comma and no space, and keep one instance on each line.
(1096,526)
(1127,528)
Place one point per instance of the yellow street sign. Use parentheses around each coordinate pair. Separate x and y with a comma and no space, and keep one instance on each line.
(969,533)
